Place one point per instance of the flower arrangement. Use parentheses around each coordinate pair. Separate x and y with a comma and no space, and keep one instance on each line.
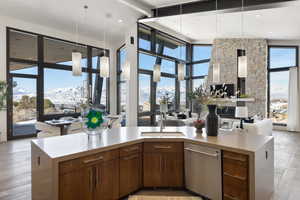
(165,99)
(199,124)
(95,119)
(209,97)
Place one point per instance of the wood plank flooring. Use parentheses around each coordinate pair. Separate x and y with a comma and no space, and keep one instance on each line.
(15,168)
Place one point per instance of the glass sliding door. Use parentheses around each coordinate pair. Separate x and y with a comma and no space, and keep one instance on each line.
(144,110)
(24,107)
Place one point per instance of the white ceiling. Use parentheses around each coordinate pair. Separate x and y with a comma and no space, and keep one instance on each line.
(276,23)
(63,15)
(162,3)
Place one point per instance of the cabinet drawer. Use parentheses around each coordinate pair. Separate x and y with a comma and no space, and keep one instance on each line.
(163,147)
(235,189)
(69,166)
(235,156)
(235,169)
(98,157)
(125,151)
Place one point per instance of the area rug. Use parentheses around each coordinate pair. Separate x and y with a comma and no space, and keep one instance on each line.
(140,197)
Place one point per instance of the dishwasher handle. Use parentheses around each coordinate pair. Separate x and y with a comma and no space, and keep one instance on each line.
(201,152)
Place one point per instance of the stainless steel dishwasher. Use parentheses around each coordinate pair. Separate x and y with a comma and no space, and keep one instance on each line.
(203,170)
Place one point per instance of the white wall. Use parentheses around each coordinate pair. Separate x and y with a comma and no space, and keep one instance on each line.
(132,84)
(43,29)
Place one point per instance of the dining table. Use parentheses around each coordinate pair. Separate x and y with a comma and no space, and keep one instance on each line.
(61,123)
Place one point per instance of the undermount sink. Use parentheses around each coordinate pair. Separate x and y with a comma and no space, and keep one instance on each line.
(167,133)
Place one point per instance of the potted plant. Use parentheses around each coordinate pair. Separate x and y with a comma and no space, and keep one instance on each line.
(3,93)
(163,103)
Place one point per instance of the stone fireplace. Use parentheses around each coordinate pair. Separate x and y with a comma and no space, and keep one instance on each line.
(256,81)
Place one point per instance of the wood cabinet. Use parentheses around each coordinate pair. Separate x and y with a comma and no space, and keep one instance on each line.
(94,177)
(163,164)
(235,176)
(130,169)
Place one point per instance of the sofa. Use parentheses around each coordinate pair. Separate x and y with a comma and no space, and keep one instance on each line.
(260,127)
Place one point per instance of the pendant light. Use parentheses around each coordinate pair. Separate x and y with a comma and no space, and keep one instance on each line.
(181,71)
(216,64)
(242,60)
(180,65)
(156,73)
(76,55)
(157,68)
(126,71)
(104,60)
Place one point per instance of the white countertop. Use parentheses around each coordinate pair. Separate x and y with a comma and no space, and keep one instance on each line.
(75,144)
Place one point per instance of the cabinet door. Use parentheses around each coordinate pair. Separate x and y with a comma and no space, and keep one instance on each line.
(77,184)
(107,180)
(68,186)
(172,170)
(130,174)
(152,169)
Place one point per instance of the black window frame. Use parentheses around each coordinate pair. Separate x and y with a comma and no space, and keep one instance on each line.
(159,56)
(41,65)
(119,82)
(279,69)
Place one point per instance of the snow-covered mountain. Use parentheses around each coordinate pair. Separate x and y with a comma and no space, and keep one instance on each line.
(67,96)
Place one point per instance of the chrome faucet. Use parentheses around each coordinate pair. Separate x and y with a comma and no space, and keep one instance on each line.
(162,117)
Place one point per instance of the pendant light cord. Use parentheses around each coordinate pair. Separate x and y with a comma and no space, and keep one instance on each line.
(180,52)
(216,31)
(242,25)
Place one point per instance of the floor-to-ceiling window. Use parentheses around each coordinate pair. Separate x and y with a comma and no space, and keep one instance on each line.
(200,63)
(281,59)
(156,47)
(41,84)
(121,96)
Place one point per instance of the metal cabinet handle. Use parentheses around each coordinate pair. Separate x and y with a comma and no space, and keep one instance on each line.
(131,157)
(235,158)
(201,152)
(162,147)
(96,176)
(91,179)
(93,160)
(237,177)
(131,149)
(160,164)
(231,197)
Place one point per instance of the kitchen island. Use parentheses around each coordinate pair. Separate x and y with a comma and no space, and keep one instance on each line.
(122,161)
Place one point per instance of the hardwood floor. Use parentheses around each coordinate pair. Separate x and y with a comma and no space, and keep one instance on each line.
(15,168)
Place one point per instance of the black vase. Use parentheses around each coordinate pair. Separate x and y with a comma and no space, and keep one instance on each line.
(212,121)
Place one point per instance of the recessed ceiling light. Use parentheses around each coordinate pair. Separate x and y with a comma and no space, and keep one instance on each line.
(270,32)
(120,20)
(258,15)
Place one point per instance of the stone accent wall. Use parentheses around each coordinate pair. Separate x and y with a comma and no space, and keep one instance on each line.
(256,81)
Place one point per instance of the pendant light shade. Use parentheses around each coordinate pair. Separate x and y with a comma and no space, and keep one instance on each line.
(242,66)
(104,66)
(126,71)
(180,71)
(156,73)
(216,73)
(241,112)
(76,61)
